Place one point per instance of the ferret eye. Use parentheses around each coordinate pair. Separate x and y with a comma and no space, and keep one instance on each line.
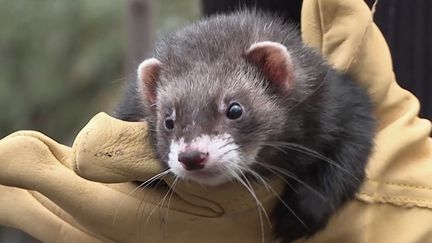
(234,111)
(169,123)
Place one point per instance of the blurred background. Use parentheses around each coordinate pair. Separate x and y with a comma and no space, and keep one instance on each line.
(63,61)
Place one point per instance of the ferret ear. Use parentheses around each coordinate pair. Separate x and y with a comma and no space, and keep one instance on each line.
(148,74)
(274,60)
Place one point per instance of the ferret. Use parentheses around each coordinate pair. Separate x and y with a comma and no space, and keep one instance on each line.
(240,95)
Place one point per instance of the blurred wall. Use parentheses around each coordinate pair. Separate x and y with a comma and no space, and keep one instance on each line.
(407,27)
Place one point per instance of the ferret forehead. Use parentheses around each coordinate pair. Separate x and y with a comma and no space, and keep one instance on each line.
(199,90)
(186,96)
(191,84)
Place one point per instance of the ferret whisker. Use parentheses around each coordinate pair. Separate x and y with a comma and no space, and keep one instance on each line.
(155,188)
(302,149)
(283,172)
(122,201)
(154,178)
(169,202)
(261,210)
(289,208)
(143,206)
(142,185)
(257,176)
(311,93)
(243,183)
(156,207)
(121,79)
(159,205)
(141,209)
(225,153)
(270,188)
(280,176)
(226,144)
(308,151)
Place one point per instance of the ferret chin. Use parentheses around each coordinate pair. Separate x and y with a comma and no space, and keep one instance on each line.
(203,178)
(239,96)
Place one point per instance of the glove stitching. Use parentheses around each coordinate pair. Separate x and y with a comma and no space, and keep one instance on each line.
(402,184)
(394,199)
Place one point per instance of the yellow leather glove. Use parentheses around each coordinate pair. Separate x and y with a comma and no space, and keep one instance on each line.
(60,206)
(395,194)
(395,202)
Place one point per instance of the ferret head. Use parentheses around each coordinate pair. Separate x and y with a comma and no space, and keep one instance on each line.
(213,118)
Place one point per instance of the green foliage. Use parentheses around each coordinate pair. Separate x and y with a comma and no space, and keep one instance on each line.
(174,13)
(62,61)
(58,59)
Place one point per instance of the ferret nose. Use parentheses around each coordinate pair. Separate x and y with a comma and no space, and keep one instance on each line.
(192,160)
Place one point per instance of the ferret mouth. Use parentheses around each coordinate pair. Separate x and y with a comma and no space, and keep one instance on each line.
(205,177)
(204,174)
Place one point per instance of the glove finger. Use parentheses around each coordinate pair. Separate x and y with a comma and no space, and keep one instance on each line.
(19,209)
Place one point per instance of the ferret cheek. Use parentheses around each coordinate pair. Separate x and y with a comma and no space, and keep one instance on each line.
(175,167)
(249,154)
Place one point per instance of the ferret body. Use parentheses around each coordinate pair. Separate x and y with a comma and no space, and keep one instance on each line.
(241,95)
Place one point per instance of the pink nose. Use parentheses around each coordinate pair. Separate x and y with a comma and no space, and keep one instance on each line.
(193,160)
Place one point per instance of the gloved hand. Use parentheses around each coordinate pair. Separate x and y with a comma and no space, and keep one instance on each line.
(60,206)
(395,202)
